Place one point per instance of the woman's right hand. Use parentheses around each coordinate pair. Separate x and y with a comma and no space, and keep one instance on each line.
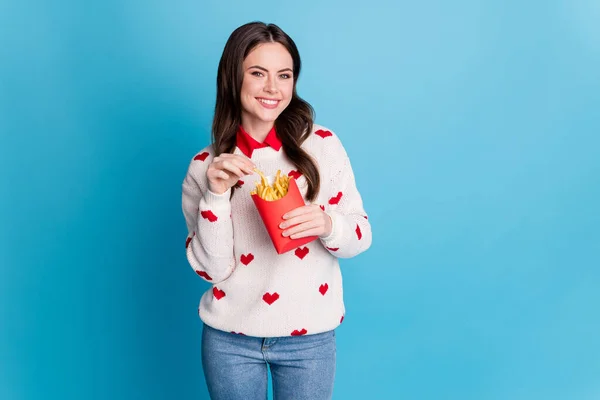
(226,170)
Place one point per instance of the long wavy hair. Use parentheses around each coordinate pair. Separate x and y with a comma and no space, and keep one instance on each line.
(293,125)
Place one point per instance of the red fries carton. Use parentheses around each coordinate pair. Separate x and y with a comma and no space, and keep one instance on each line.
(272,213)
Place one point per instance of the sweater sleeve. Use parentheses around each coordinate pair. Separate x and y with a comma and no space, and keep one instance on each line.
(351,230)
(209,244)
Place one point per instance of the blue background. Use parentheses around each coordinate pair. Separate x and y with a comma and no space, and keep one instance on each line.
(473,130)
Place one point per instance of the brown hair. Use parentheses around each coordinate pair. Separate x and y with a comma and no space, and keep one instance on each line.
(293,125)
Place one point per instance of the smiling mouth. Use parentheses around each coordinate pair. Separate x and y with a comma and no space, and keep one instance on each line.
(268,102)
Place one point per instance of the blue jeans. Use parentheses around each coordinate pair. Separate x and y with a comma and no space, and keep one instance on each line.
(235,366)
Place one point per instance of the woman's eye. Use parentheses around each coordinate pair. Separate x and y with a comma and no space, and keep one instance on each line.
(285,76)
(256,73)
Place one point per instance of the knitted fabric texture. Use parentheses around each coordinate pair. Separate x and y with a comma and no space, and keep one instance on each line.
(255,291)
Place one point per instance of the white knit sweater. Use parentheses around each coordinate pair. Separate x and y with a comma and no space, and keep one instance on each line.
(257,292)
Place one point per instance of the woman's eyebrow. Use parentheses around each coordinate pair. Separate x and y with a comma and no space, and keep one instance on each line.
(266,70)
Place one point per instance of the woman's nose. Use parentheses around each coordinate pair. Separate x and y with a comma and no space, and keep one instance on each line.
(270,85)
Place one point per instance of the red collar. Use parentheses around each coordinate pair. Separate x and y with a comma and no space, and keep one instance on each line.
(247,144)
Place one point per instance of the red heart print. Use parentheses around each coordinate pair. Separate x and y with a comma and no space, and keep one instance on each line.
(204,275)
(299,333)
(219,294)
(240,182)
(188,240)
(237,333)
(322,207)
(301,252)
(336,199)
(333,248)
(366,217)
(209,216)
(247,258)
(295,174)
(202,156)
(342,320)
(358,232)
(323,133)
(270,298)
(323,289)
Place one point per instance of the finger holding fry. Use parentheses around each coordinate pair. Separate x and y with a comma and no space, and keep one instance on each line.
(225,170)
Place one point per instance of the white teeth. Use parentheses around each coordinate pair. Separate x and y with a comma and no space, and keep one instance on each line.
(269,102)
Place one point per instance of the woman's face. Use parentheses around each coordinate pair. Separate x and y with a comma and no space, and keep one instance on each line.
(268,83)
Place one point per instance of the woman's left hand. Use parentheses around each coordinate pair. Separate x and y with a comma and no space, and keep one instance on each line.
(306,221)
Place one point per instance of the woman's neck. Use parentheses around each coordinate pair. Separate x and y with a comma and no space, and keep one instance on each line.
(257,129)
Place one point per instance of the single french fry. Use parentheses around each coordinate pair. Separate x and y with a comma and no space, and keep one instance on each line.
(279,188)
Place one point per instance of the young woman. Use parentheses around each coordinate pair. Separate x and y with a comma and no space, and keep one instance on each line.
(269,310)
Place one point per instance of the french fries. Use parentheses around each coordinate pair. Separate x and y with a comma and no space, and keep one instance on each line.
(271,192)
